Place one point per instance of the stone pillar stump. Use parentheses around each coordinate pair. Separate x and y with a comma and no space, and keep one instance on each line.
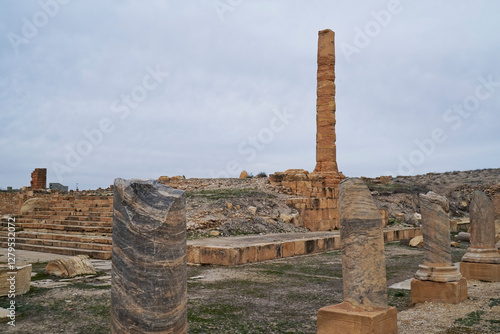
(149,285)
(365,308)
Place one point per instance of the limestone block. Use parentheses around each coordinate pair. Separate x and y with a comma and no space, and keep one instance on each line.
(488,272)
(417,241)
(343,318)
(70,266)
(21,282)
(438,292)
(149,283)
(243,175)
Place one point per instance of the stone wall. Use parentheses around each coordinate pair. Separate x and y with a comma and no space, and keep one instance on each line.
(317,197)
(39,179)
(10,202)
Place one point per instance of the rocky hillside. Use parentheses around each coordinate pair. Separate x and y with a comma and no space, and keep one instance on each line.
(251,206)
(400,195)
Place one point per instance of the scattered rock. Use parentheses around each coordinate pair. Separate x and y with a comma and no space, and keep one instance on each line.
(399,216)
(454,244)
(417,241)
(70,266)
(243,175)
(229,205)
(463,236)
(252,210)
(417,216)
(287,218)
(214,233)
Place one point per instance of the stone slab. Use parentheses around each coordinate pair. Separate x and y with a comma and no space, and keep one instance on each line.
(343,318)
(230,251)
(438,292)
(488,272)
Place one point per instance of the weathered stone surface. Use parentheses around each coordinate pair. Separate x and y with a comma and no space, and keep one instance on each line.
(463,236)
(437,265)
(488,272)
(438,292)
(343,318)
(243,174)
(149,289)
(417,241)
(326,156)
(34,203)
(363,258)
(482,242)
(22,279)
(70,266)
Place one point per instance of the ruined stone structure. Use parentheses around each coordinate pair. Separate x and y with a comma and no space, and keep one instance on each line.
(482,260)
(39,179)
(437,280)
(318,191)
(149,283)
(365,308)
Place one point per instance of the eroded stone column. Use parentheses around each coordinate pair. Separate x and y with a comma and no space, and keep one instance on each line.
(149,286)
(362,240)
(365,308)
(482,260)
(437,265)
(437,280)
(326,156)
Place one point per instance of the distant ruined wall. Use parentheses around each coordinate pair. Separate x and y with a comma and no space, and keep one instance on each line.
(39,179)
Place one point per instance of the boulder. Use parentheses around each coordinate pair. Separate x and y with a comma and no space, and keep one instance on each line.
(252,210)
(463,236)
(70,266)
(244,175)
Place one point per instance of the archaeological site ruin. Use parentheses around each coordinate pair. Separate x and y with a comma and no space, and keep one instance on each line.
(161,238)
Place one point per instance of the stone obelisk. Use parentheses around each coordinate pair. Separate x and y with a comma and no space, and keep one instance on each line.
(365,308)
(482,260)
(437,280)
(148,285)
(326,152)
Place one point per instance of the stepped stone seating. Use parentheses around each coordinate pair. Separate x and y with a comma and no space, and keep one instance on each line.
(70,225)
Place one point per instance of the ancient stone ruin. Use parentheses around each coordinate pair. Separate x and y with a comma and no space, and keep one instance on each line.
(318,191)
(365,308)
(149,283)
(437,280)
(482,260)
(39,179)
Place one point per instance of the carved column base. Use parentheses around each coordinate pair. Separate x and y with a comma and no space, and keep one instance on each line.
(438,292)
(482,255)
(344,318)
(488,272)
(438,274)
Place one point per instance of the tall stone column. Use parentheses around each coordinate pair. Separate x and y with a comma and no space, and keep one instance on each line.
(482,260)
(365,308)
(149,285)
(326,152)
(437,279)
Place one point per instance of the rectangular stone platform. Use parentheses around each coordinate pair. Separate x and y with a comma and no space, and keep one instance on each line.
(230,251)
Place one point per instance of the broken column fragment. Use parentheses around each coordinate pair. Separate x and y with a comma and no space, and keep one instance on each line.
(437,280)
(149,286)
(365,308)
(482,260)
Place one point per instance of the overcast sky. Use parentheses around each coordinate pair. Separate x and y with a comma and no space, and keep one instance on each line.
(95,90)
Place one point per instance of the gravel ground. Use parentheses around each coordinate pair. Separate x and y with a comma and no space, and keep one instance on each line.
(479,314)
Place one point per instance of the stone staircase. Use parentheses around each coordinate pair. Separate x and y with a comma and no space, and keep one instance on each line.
(71,225)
